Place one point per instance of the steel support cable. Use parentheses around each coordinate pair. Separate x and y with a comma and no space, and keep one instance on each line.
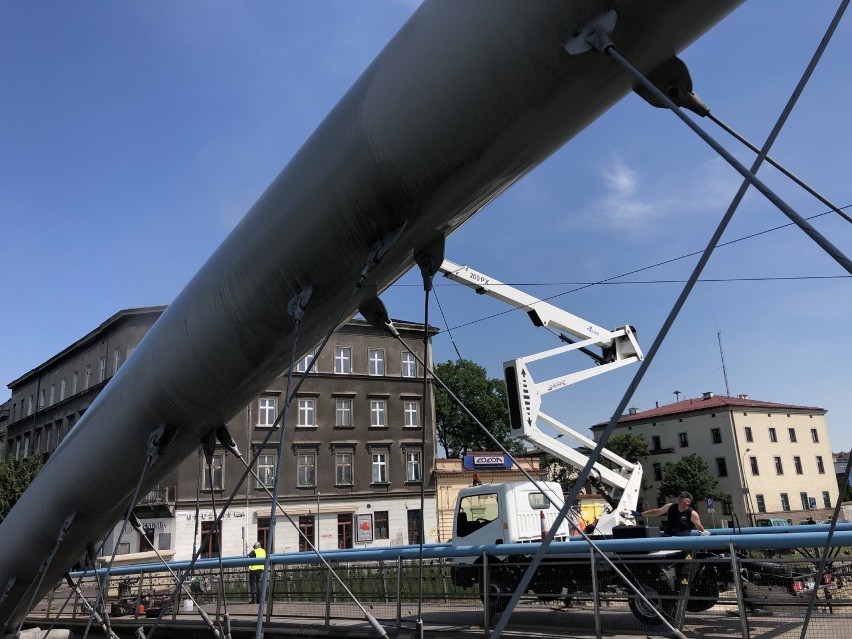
(600,41)
(215,530)
(826,549)
(426,270)
(620,572)
(377,253)
(605,46)
(804,185)
(261,596)
(235,451)
(74,589)
(137,525)
(153,442)
(449,330)
(43,568)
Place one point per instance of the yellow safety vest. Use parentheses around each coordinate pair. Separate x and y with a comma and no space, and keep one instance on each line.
(259,553)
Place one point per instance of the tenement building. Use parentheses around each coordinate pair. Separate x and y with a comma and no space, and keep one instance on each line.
(358,440)
(771,460)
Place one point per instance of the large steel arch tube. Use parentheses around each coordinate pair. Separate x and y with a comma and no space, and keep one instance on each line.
(465,99)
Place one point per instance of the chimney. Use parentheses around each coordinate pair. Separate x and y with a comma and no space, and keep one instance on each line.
(632,410)
(742,396)
(708,395)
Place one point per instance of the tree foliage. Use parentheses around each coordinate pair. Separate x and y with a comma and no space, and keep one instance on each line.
(629,446)
(690,473)
(486,398)
(15,476)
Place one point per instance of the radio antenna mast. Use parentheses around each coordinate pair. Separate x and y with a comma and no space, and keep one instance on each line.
(724,369)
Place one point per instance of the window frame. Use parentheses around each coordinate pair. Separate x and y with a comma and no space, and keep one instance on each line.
(271,405)
(721,467)
(773,435)
(797,465)
(265,461)
(411,413)
(343,412)
(413,465)
(306,461)
(218,473)
(683,439)
(379,462)
(715,435)
(378,413)
(409,365)
(342,360)
(307,412)
(749,436)
(376,362)
(345,464)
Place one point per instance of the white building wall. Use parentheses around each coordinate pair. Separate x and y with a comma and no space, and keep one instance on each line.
(239,526)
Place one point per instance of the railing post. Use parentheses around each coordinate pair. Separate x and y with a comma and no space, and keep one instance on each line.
(485,589)
(399,593)
(328,592)
(270,598)
(738,588)
(595,594)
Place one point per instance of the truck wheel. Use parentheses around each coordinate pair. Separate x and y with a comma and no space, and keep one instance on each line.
(659,595)
(706,586)
(498,598)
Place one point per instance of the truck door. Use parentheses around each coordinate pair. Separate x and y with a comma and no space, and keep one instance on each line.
(478,519)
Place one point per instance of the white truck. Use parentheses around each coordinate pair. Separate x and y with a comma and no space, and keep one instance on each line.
(523,512)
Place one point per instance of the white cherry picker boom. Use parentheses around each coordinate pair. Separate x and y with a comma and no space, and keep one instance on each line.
(618,347)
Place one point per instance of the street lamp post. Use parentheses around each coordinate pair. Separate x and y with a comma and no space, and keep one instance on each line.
(746,491)
(316,524)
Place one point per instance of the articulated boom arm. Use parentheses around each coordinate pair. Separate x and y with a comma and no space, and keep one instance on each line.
(618,348)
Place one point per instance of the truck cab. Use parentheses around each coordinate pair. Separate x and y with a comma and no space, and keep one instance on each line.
(507,513)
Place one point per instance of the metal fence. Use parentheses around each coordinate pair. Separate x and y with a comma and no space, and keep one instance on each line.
(725,592)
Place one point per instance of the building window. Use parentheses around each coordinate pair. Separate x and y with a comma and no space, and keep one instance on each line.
(413,466)
(342,360)
(779,468)
(116,360)
(655,443)
(785,502)
(307,412)
(826,499)
(343,469)
(754,469)
(658,472)
(88,377)
(381,525)
(62,389)
(792,433)
(380,468)
(52,395)
(75,378)
(30,405)
(266,471)
(377,361)
(814,435)
(820,465)
(716,435)
(684,440)
(343,413)
(306,470)
(805,501)
(409,365)
(102,370)
(266,412)
(748,435)
(213,473)
(773,436)
(306,531)
(303,364)
(727,507)
(41,399)
(721,467)
(414,526)
(411,409)
(797,465)
(377,413)
(761,503)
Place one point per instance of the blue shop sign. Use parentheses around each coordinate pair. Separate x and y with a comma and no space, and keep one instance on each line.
(486,460)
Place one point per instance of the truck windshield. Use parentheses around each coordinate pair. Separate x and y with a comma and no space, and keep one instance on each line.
(476,511)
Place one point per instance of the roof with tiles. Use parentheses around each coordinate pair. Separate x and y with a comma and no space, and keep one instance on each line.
(711,401)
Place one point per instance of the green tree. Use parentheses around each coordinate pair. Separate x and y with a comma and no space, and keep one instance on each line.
(486,398)
(15,476)
(690,473)
(629,446)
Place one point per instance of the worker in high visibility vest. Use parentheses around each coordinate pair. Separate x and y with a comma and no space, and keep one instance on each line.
(255,570)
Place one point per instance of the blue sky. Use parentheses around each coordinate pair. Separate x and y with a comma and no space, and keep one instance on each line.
(134,135)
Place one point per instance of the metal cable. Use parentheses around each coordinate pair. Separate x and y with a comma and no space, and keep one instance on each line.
(749,179)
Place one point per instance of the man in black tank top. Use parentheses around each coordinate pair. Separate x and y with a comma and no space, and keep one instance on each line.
(680,517)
